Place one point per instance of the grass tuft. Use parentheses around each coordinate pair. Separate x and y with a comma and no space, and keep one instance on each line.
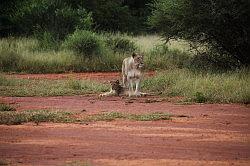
(38,116)
(137,117)
(6,107)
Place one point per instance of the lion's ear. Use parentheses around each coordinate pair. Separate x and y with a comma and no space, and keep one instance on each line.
(134,55)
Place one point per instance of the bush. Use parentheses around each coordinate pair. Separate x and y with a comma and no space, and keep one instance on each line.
(85,43)
(120,43)
(213,62)
(9,60)
(220,25)
(161,57)
(57,17)
(46,41)
(200,97)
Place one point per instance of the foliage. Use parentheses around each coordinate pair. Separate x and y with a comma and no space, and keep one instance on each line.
(199,87)
(85,43)
(56,17)
(119,15)
(119,43)
(46,41)
(61,17)
(161,57)
(220,25)
(213,62)
(9,60)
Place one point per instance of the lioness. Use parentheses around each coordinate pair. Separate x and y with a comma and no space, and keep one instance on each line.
(131,73)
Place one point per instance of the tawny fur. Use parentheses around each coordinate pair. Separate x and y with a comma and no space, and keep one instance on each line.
(115,90)
(132,73)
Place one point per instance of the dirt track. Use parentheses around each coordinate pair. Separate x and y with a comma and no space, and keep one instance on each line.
(212,134)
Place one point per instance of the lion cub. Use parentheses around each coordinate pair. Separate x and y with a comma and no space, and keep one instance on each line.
(115,90)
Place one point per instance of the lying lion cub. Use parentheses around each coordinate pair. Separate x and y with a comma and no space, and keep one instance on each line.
(115,90)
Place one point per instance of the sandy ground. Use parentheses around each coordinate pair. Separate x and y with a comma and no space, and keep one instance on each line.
(212,134)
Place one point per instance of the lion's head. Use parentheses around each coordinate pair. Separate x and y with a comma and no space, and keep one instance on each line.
(138,60)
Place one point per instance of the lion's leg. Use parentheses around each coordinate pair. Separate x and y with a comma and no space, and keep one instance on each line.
(137,87)
(124,81)
(131,88)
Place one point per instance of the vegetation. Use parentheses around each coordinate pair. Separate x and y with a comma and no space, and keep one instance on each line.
(6,107)
(38,116)
(85,51)
(85,43)
(28,87)
(230,87)
(202,87)
(137,117)
(62,17)
(219,25)
(204,45)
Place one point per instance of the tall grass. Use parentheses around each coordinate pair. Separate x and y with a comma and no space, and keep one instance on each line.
(199,87)
(26,54)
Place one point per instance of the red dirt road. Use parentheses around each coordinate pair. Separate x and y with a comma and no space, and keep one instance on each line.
(213,134)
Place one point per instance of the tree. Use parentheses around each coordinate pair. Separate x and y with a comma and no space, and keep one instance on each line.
(54,16)
(220,24)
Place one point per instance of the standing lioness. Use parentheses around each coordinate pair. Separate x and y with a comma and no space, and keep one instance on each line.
(131,73)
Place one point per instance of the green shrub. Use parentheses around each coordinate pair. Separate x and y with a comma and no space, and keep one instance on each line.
(219,24)
(46,41)
(199,97)
(57,17)
(120,43)
(85,43)
(161,57)
(212,62)
(9,60)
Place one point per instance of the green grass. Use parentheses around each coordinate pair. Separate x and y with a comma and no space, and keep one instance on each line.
(25,55)
(44,87)
(38,116)
(231,87)
(146,43)
(6,107)
(136,117)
